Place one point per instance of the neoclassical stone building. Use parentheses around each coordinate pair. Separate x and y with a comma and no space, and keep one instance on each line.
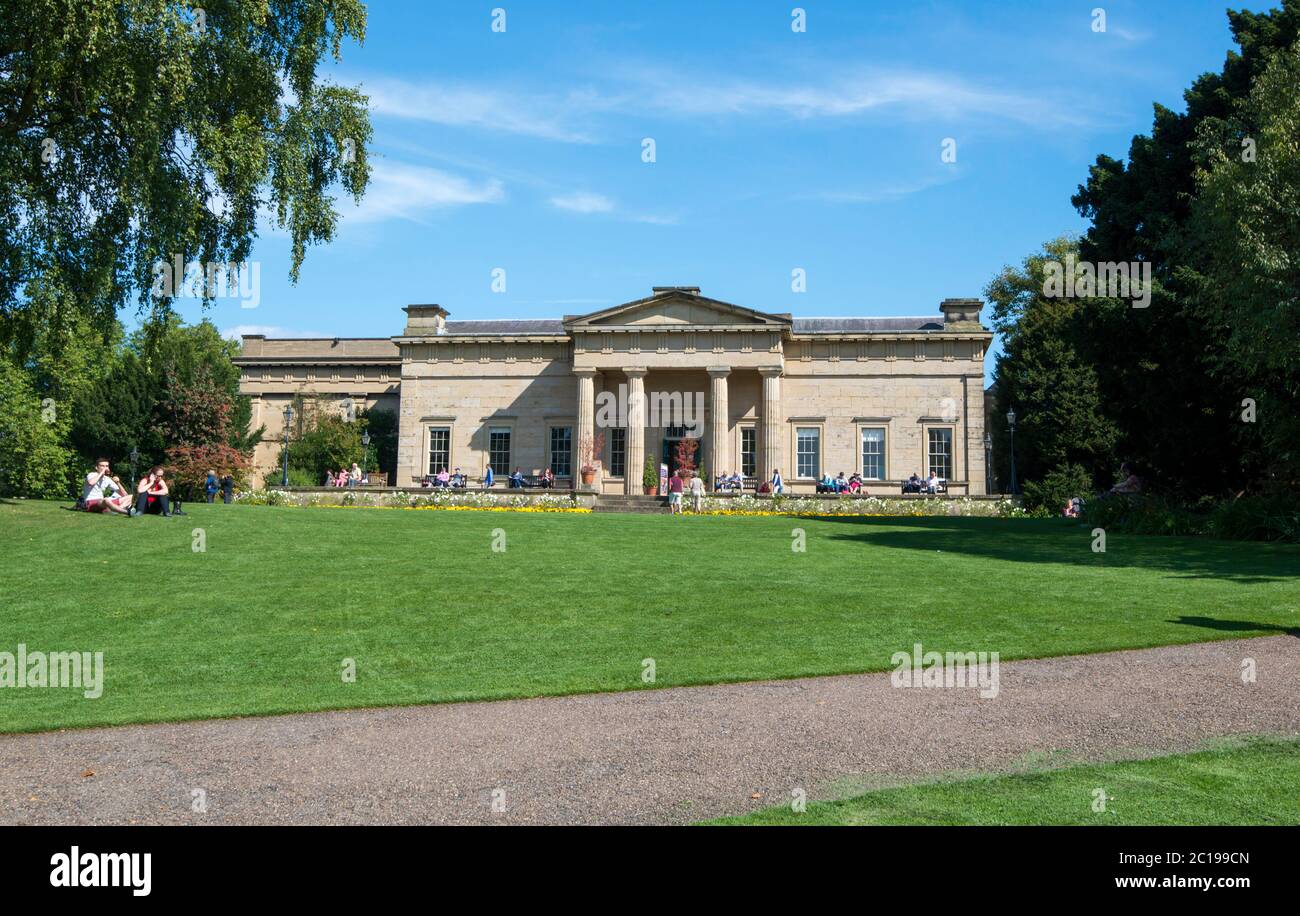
(884,397)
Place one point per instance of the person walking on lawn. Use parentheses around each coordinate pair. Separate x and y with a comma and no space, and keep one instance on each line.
(675,494)
(697,493)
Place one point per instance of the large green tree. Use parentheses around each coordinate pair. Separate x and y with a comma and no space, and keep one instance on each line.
(1244,272)
(1171,377)
(1063,421)
(134,132)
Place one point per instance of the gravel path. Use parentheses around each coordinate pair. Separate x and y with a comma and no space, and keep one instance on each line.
(655,756)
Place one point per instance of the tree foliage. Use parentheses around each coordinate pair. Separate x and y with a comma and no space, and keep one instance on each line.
(134,131)
(1166,386)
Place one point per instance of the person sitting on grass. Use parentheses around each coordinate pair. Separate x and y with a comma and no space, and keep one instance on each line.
(1130,484)
(102,492)
(151,494)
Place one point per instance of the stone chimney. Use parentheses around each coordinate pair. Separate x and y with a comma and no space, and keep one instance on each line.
(425,320)
(961,314)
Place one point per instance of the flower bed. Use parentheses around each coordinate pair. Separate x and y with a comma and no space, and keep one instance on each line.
(865,505)
(437,499)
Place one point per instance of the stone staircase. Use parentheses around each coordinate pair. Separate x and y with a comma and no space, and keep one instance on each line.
(613,502)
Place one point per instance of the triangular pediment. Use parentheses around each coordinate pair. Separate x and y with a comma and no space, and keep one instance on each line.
(676,308)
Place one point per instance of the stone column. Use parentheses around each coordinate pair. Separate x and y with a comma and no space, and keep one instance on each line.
(586,421)
(635,430)
(719,460)
(772,425)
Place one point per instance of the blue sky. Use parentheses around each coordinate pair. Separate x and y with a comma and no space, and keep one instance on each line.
(774,150)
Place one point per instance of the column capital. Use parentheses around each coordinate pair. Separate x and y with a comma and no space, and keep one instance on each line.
(771,371)
(635,371)
(585,372)
(719,371)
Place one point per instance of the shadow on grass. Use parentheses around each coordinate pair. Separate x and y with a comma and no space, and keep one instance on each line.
(1067,542)
(1235,626)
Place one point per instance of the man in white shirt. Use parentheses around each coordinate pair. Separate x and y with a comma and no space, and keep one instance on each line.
(933,483)
(101,493)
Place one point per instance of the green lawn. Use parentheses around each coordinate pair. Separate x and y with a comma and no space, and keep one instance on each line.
(261,621)
(1250,783)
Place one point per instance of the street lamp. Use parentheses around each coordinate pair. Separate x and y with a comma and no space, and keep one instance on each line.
(365,451)
(288,420)
(1011,425)
(135,458)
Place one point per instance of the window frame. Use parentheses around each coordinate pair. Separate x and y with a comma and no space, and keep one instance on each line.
(509,432)
(951,455)
(884,450)
(798,454)
(429,430)
(752,471)
(617,455)
(567,454)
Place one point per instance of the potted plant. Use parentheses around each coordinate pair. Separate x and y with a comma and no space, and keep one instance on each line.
(650,476)
(589,451)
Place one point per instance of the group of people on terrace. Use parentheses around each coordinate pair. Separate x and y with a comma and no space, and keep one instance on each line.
(346,478)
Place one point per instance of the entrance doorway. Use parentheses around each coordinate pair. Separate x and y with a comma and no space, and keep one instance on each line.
(674,435)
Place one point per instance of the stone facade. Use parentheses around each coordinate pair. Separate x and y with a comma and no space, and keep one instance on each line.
(884,396)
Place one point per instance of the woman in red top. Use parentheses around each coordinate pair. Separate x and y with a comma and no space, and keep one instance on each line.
(152,494)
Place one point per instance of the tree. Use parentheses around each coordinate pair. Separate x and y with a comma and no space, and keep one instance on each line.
(33,459)
(1244,276)
(382,426)
(189,466)
(323,440)
(1161,370)
(134,132)
(168,384)
(1063,420)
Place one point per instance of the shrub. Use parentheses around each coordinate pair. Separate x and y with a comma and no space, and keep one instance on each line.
(650,475)
(1273,517)
(1049,495)
(1139,513)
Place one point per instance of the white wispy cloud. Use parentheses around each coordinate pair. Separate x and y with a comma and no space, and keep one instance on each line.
(850,93)
(834,92)
(401,191)
(884,192)
(490,108)
(583,202)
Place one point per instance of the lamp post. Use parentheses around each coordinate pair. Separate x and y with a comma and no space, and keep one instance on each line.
(288,420)
(135,458)
(988,463)
(365,451)
(1011,425)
